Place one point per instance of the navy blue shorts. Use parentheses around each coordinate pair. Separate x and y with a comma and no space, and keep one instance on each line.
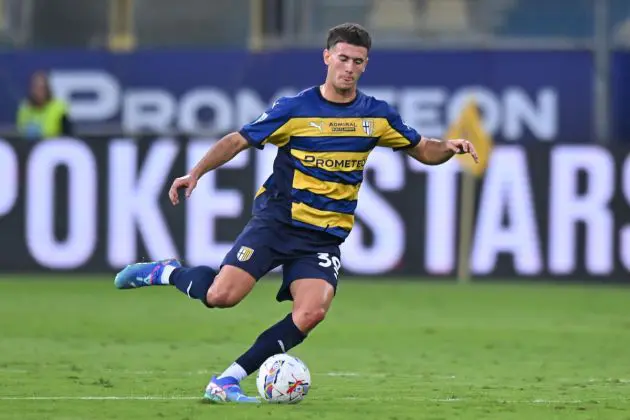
(266,244)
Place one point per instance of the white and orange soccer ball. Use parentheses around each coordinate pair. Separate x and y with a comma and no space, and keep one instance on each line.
(283,379)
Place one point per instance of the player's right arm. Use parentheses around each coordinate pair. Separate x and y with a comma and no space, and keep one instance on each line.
(221,152)
(266,129)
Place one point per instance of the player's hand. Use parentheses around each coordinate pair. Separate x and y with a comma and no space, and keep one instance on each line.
(461,147)
(188,181)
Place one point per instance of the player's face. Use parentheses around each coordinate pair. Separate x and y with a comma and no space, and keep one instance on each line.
(346,63)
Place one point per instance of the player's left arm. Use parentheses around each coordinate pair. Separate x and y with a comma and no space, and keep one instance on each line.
(435,152)
(430,151)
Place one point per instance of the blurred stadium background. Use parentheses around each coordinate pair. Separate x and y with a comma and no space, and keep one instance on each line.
(147,85)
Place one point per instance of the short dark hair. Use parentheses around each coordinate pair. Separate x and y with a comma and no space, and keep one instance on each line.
(350,33)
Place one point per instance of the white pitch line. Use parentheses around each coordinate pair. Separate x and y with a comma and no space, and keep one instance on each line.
(340,374)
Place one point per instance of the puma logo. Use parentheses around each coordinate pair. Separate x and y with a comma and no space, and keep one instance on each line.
(314,124)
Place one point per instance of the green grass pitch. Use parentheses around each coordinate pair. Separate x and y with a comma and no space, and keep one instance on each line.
(79,349)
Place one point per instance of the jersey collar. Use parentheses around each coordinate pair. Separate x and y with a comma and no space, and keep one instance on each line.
(338,104)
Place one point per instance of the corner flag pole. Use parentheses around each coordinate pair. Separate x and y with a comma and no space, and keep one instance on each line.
(467,194)
(470,127)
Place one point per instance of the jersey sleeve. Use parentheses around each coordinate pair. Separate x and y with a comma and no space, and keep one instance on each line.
(271,126)
(397,134)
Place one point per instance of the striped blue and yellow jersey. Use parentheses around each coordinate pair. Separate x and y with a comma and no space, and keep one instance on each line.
(322,151)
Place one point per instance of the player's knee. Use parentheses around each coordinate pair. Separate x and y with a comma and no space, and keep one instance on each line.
(307,319)
(221,298)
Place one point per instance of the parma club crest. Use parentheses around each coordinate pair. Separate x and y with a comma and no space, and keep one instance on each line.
(368,127)
(244,254)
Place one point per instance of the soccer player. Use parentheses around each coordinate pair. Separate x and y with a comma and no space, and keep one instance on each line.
(304,210)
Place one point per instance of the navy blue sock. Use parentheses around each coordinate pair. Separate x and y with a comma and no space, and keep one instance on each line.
(280,338)
(194,281)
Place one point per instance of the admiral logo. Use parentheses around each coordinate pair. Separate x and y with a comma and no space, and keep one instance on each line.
(334,164)
(342,127)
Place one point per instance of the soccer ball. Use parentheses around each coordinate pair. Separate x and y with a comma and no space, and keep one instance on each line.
(283,379)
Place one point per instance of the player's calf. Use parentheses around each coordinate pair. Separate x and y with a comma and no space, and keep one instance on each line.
(193,281)
(222,290)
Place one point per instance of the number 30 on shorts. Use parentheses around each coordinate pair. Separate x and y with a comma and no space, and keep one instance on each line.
(327,260)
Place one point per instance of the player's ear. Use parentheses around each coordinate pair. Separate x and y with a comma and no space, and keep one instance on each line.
(326,56)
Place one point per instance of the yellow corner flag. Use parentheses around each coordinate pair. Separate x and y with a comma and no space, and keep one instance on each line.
(470,127)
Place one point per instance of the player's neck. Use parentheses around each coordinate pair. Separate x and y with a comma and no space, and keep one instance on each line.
(331,94)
